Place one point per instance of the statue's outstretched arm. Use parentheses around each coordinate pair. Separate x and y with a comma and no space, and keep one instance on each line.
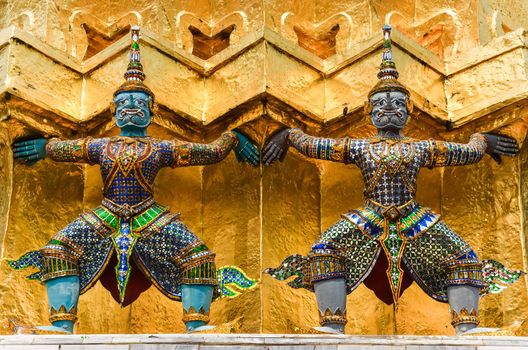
(442,153)
(342,150)
(186,154)
(85,150)
(337,150)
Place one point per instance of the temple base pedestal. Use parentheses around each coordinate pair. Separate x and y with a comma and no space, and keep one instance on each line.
(256,342)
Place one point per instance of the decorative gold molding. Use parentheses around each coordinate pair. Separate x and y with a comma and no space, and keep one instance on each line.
(62,314)
(193,315)
(328,317)
(81,110)
(464,317)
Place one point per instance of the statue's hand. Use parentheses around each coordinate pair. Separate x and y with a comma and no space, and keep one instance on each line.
(500,145)
(30,151)
(276,148)
(246,151)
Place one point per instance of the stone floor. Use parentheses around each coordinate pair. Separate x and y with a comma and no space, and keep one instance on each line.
(255,342)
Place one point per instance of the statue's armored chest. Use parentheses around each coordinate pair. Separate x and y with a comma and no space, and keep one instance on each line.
(128,154)
(392,157)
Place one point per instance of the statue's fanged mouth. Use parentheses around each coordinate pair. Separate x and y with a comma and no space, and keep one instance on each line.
(390,116)
(130,112)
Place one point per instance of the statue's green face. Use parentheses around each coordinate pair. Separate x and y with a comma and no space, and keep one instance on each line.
(132,109)
(389,110)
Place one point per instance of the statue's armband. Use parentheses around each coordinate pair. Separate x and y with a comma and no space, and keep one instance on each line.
(69,150)
(439,154)
(181,154)
(185,154)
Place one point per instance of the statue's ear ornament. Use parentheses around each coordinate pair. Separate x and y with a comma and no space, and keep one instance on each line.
(112,107)
(410,105)
(153,107)
(367,107)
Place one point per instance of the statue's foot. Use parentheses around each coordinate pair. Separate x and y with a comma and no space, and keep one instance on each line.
(327,330)
(52,330)
(480,331)
(203,328)
(40,330)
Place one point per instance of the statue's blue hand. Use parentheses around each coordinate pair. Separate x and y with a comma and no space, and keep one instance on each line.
(246,151)
(30,151)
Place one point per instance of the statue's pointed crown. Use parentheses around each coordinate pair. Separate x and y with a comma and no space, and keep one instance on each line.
(134,75)
(388,75)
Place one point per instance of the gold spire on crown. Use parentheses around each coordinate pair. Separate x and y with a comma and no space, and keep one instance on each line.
(134,75)
(388,75)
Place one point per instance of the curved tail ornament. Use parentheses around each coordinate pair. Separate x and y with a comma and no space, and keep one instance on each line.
(233,281)
(294,265)
(498,277)
(30,259)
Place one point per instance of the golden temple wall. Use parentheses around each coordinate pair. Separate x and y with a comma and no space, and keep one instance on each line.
(285,63)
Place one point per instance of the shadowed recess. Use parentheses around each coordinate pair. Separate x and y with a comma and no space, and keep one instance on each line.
(98,41)
(319,42)
(205,46)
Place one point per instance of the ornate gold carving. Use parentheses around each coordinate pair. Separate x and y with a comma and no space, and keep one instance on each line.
(205,38)
(98,40)
(338,152)
(441,156)
(464,317)
(329,317)
(205,46)
(192,315)
(392,213)
(439,32)
(325,37)
(89,34)
(321,43)
(182,154)
(62,314)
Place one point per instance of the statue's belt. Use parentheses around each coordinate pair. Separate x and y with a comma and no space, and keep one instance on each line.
(137,223)
(392,212)
(411,225)
(126,210)
(150,221)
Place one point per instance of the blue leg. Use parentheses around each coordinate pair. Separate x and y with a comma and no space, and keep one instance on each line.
(63,295)
(196,300)
(331,301)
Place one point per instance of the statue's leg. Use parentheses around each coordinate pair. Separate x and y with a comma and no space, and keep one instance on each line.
(464,284)
(331,302)
(182,267)
(328,277)
(463,302)
(63,295)
(196,301)
(60,272)
(333,272)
